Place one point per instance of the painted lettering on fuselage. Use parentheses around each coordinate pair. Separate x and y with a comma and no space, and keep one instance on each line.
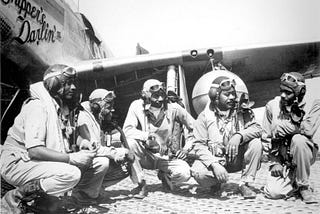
(29,13)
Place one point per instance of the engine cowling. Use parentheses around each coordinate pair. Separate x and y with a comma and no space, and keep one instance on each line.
(200,91)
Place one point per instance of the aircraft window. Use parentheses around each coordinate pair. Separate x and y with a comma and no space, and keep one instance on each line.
(144,73)
(125,78)
(106,82)
(148,72)
(239,62)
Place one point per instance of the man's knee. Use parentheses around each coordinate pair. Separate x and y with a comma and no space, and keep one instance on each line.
(72,175)
(202,174)
(133,145)
(299,141)
(256,146)
(68,176)
(277,187)
(181,173)
(274,191)
(101,163)
(204,178)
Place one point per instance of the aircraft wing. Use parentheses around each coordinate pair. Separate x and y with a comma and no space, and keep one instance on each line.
(109,67)
(259,67)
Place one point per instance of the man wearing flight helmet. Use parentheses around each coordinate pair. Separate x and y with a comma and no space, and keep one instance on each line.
(105,169)
(149,127)
(292,150)
(226,140)
(35,157)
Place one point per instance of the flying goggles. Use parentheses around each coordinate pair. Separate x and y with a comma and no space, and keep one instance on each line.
(67,72)
(156,88)
(225,84)
(107,101)
(286,77)
(157,91)
(109,97)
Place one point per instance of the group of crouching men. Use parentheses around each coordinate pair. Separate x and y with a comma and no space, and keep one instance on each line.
(56,144)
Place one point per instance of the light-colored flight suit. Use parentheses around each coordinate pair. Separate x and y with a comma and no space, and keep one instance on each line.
(37,124)
(104,171)
(213,129)
(303,150)
(137,128)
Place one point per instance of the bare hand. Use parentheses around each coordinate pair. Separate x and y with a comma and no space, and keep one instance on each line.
(233,147)
(180,154)
(220,172)
(82,158)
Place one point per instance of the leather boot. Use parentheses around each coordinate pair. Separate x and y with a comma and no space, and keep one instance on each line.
(31,190)
(307,195)
(50,205)
(166,182)
(141,190)
(14,201)
(215,190)
(246,192)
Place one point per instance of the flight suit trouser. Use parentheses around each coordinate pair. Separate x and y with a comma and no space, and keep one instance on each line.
(55,178)
(303,152)
(176,170)
(247,160)
(102,173)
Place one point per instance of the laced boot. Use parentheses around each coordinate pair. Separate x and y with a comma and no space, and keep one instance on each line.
(307,195)
(140,192)
(31,191)
(83,199)
(15,201)
(215,190)
(246,192)
(166,182)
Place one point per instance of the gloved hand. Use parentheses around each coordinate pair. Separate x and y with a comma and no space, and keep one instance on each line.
(152,144)
(181,154)
(82,158)
(87,145)
(156,144)
(277,170)
(120,155)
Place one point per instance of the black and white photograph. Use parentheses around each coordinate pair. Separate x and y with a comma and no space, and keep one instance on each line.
(160,106)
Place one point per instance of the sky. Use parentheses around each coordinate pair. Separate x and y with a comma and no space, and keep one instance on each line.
(174,25)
